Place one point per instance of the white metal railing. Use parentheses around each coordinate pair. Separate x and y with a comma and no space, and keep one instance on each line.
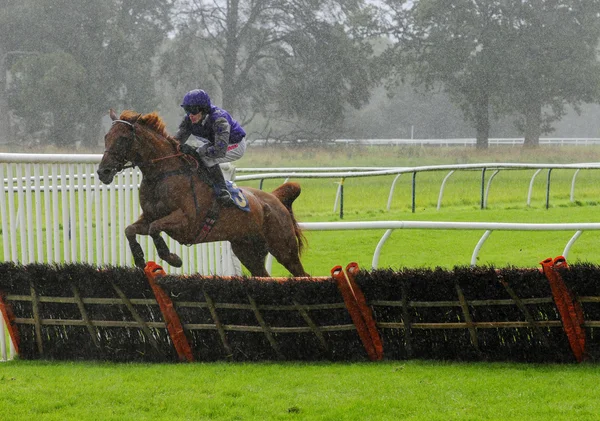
(55,210)
(355,172)
(342,173)
(487,227)
(515,141)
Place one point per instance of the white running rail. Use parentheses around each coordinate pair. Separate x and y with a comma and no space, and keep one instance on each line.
(354,172)
(487,227)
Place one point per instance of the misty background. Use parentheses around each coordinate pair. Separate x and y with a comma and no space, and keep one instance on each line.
(303,70)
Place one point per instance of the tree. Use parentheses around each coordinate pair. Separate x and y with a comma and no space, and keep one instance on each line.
(91,58)
(320,75)
(51,82)
(11,30)
(509,56)
(455,43)
(273,57)
(552,61)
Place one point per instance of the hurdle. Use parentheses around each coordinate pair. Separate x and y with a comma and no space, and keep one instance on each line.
(122,314)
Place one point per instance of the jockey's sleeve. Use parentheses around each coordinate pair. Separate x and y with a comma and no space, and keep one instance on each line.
(222,129)
(184,131)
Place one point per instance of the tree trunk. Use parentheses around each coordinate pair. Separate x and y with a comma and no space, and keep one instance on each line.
(533,125)
(482,120)
(231,56)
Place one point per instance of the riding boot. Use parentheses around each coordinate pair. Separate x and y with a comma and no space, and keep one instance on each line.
(223,196)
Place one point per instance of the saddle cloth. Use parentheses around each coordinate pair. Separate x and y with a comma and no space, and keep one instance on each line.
(238,196)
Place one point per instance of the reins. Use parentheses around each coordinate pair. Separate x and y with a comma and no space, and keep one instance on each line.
(155,160)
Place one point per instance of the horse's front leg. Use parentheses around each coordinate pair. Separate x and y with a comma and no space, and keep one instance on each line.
(171,221)
(164,252)
(138,227)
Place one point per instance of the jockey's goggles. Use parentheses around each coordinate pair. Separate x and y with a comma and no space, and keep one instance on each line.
(192,109)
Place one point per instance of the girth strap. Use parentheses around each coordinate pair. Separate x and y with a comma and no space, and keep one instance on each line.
(209,221)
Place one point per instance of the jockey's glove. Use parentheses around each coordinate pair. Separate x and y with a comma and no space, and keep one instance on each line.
(187,149)
(190,150)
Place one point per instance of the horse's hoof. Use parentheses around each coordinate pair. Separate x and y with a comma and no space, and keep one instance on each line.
(174,260)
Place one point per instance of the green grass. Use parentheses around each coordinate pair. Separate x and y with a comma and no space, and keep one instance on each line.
(308,391)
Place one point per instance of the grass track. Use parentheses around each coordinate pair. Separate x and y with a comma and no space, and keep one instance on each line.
(269,391)
(407,390)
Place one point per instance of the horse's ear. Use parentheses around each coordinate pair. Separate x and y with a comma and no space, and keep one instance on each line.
(112,114)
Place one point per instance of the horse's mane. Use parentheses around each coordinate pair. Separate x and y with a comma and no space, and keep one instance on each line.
(151,120)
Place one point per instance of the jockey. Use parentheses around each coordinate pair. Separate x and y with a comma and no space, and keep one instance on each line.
(218,138)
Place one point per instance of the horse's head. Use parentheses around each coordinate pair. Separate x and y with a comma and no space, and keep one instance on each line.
(141,139)
(119,145)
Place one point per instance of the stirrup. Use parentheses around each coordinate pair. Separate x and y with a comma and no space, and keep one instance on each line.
(225,198)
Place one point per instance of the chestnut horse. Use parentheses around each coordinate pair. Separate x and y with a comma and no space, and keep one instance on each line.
(176,199)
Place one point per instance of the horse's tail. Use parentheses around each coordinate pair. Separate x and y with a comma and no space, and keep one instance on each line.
(287,193)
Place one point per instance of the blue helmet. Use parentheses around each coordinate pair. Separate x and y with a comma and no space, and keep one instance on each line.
(198,98)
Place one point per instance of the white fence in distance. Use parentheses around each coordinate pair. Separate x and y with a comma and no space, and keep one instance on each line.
(459,142)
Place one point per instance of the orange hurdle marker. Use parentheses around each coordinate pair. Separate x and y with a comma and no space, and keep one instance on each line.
(569,309)
(362,319)
(9,320)
(174,326)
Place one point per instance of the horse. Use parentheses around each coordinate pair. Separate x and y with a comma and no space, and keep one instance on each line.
(177,199)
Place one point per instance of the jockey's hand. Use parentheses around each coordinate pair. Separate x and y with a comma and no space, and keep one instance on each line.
(203,150)
(187,149)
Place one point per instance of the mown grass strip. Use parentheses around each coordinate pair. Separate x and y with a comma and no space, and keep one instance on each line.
(224,391)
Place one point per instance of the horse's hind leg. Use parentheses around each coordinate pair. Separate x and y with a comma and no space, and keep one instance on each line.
(252,253)
(284,248)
